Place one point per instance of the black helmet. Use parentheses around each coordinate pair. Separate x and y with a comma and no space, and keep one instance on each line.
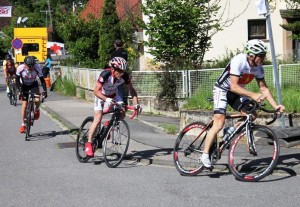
(8,57)
(29,61)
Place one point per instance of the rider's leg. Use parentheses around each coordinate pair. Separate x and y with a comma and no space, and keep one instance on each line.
(97,120)
(219,120)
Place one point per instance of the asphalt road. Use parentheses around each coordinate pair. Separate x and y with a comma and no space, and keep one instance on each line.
(40,173)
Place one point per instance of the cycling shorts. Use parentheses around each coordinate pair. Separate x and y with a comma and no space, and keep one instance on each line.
(99,104)
(34,88)
(223,97)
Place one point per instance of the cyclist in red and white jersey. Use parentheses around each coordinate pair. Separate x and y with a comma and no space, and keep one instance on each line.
(27,75)
(9,69)
(229,89)
(106,91)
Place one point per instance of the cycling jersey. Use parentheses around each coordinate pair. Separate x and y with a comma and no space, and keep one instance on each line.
(110,83)
(240,67)
(110,86)
(29,77)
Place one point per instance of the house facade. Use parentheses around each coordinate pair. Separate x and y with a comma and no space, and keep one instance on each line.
(248,24)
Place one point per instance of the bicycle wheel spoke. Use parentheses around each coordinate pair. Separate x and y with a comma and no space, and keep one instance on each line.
(252,164)
(116,144)
(188,150)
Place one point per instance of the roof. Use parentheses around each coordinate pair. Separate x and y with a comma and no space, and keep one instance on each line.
(94,8)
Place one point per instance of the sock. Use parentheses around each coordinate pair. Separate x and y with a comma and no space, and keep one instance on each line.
(205,155)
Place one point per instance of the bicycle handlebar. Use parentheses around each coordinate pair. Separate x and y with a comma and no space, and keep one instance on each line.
(116,105)
(254,106)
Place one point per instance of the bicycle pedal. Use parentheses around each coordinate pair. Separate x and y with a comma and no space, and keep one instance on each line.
(209,169)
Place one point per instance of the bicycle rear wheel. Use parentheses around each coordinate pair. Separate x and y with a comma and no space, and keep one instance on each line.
(188,149)
(29,119)
(251,165)
(82,138)
(116,143)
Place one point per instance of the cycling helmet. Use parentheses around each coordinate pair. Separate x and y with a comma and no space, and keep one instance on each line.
(8,57)
(29,61)
(118,63)
(256,47)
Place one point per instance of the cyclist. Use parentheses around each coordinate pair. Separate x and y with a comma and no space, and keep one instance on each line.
(27,74)
(9,70)
(106,91)
(229,89)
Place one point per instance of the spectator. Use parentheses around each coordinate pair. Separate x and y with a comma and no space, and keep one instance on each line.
(47,66)
(119,50)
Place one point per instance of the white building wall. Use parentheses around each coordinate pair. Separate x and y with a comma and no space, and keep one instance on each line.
(236,35)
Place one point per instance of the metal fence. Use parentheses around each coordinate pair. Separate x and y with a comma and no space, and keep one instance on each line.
(187,82)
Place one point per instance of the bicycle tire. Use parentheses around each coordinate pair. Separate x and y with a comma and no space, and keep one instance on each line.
(116,143)
(29,119)
(250,168)
(14,95)
(82,138)
(10,95)
(186,157)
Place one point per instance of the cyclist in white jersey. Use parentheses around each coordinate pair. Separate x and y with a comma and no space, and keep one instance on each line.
(26,80)
(106,90)
(229,89)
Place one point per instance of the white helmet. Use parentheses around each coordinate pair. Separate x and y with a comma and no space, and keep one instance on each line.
(118,63)
(256,47)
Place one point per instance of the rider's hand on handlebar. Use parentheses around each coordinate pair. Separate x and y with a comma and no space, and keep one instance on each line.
(45,95)
(258,97)
(109,101)
(280,109)
(138,108)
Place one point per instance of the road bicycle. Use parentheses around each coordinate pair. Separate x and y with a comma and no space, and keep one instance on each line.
(29,112)
(253,149)
(13,96)
(114,135)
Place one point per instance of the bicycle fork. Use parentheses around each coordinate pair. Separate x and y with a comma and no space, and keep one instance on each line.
(250,139)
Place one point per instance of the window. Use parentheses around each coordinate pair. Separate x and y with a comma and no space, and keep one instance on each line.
(29,47)
(257,29)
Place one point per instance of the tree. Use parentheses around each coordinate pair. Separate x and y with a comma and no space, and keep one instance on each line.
(81,38)
(292,14)
(109,31)
(180,31)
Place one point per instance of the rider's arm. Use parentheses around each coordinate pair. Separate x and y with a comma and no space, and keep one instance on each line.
(268,95)
(4,68)
(97,91)
(132,93)
(43,83)
(236,88)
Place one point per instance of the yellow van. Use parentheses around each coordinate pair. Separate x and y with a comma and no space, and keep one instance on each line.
(34,41)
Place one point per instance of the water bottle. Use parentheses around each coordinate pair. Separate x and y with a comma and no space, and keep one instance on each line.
(227,132)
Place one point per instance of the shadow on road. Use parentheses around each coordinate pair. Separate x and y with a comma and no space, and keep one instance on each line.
(50,134)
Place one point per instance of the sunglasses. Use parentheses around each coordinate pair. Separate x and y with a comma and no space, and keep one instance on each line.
(261,56)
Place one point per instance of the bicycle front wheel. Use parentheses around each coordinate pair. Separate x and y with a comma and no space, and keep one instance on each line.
(10,96)
(188,149)
(253,162)
(29,119)
(116,143)
(82,138)
(14,95)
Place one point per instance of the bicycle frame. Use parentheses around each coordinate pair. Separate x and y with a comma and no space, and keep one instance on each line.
(245,124)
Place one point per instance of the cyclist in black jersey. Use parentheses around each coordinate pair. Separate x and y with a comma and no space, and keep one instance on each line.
(229,89)
(106,92)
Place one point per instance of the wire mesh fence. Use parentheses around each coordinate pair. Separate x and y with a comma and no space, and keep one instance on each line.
(186,82)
